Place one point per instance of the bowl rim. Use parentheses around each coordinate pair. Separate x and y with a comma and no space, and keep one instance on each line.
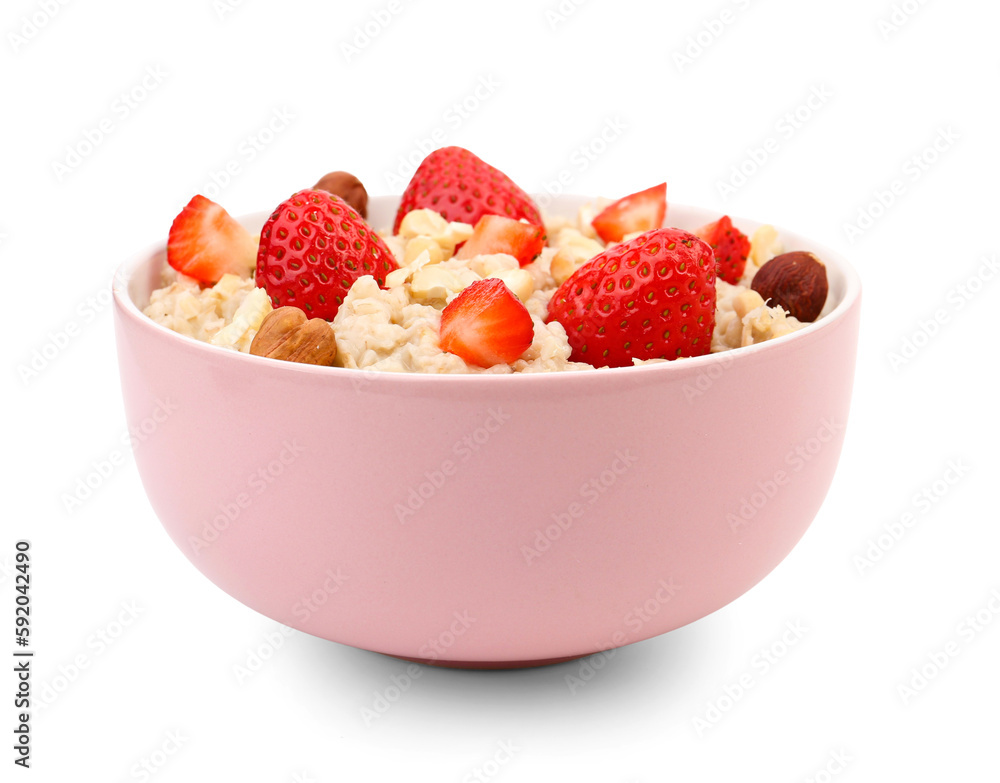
(127,308)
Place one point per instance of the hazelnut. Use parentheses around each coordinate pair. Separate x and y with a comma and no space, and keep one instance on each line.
(348,187)
(287,334)
(796,281)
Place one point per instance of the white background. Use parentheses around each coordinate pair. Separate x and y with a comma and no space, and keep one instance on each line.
(551,77)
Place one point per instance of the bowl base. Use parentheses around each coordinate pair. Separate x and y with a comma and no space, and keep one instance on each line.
(488,665)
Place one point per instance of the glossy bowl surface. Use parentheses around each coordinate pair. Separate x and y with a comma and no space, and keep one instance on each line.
(488,521)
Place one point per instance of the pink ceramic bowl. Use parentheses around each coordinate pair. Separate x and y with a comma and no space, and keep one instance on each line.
(488,521)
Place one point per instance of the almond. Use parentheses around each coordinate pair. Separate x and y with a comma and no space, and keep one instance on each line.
(287,334)
(795,281)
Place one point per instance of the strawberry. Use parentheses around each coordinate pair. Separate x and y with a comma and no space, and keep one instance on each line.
(641,211)
(486,324)
(312,249)
(730,245)
(458,185)
(652,297)
(495,234)
(206,242)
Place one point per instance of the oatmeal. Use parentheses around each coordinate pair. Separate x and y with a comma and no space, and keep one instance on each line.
(228,314)
(396,329)
(502,294)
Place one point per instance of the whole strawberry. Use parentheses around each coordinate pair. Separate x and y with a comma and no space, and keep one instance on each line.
(652,297)
(462,187)
(312,249)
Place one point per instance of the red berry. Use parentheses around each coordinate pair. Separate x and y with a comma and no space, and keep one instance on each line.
(642,211)
(461,187)
(651,297)
(206,243)
(495,234)
(486,324)
(730,245)
(312,249)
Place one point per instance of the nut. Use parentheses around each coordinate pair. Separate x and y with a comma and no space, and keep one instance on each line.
(795,281)
(287,334)
(519,281)
(575,250)
(586,214)
(487,264)
(765,244)
(348,187)
(434,282)
(422,222)
(745,302)
(566,261)
(455,234)
(418,245)
(398,277)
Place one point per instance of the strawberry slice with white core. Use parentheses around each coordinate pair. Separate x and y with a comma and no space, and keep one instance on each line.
(486,324)
(642,211)
(206,243)
(497,234)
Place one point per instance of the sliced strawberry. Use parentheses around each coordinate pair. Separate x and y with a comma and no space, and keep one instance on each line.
(205,243)
(641,211)
(652,297)
(462,187)
(495,234)
(730,245)
(486,325)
